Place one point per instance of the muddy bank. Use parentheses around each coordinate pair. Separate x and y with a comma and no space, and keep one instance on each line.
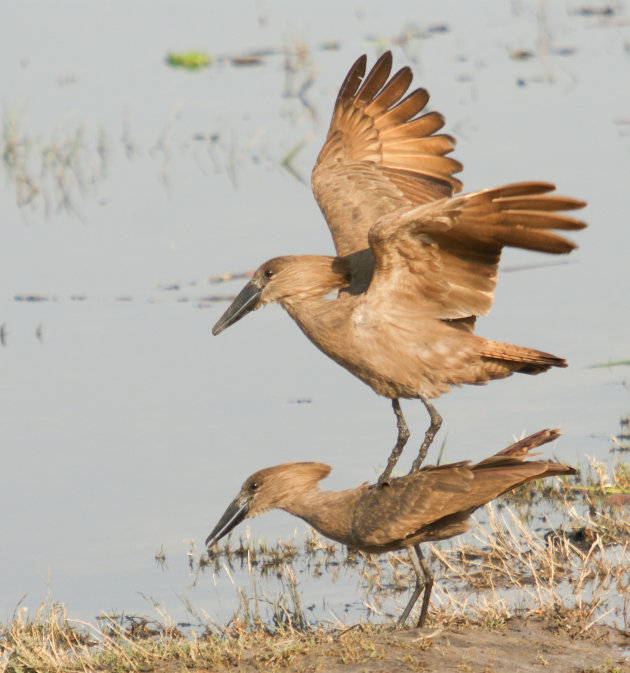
(521,645)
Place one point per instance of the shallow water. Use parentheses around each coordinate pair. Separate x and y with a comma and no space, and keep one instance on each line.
(126,426)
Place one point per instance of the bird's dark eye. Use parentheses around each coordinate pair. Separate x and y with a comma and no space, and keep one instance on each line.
(268,273)
(253,486)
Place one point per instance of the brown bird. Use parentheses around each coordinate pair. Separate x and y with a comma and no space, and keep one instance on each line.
(432,503)
(415,265)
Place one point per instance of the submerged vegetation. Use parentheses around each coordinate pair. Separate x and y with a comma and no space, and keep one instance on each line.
(56,173)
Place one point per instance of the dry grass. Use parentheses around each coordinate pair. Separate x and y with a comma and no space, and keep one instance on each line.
(52,642)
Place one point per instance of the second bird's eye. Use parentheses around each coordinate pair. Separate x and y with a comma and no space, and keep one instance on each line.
(268,273)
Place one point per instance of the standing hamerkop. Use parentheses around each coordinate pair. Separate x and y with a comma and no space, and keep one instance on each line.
(432,503)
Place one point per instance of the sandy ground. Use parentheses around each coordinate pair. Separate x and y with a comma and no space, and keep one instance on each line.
(519,646)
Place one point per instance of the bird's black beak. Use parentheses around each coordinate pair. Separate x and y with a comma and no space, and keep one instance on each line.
(246,300)
(232,516)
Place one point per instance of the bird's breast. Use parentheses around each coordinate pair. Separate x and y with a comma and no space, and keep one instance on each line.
(397,352)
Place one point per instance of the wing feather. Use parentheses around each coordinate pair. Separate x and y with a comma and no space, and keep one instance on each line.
(403,111)
(392,92)
(444,256)
(379,155)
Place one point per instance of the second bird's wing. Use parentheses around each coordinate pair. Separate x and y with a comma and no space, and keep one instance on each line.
(385,516)
(436,502)
(443,256)
(379,155)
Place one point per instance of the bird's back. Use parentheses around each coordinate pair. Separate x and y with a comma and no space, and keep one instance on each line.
(436,503)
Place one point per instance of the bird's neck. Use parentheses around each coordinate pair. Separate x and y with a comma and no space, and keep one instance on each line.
(323,322)
(311,276)
(312,303)
(311,312)
(329,512)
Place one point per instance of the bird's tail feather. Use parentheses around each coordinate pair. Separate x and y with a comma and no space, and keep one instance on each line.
(519,358)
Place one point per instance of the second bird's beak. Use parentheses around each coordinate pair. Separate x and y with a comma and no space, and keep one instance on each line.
(232,516)
(246,300)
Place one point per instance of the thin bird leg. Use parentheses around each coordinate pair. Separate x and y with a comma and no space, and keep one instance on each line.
(403,436)
(436,422)
(428,584)
(424,581)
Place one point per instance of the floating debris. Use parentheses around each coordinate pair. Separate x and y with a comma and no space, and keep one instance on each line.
(565,51)
(225,277)
(247,60)
(522,54)
(213,298)
(604,10)
(191,60)
(206,137)
(33,297)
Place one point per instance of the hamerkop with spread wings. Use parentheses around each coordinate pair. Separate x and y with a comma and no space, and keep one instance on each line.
(415,265)
(432,503)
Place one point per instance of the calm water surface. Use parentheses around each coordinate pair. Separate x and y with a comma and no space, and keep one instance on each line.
(126,427)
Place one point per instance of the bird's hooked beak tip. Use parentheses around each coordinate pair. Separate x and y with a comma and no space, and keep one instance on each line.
(248,299)
(233,515)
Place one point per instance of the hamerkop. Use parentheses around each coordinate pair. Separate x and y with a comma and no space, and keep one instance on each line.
(432,503)
(415,265)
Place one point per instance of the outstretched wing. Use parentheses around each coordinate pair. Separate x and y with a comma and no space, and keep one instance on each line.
(379,156)
(444,256)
